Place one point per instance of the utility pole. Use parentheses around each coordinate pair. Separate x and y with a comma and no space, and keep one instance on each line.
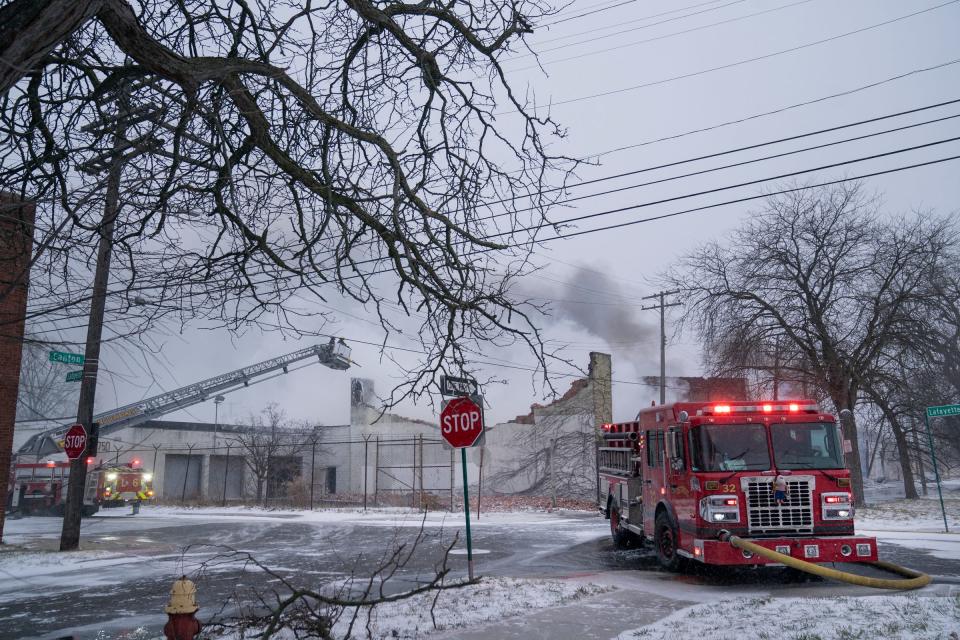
(662,305)
(115,160)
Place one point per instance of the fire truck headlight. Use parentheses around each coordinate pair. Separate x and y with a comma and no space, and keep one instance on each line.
(720,508)
(147,477)
(111,477)
(836,506)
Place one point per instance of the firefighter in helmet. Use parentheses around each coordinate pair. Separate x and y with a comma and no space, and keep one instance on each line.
(141,496)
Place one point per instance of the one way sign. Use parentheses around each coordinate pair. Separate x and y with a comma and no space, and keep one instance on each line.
(450,386)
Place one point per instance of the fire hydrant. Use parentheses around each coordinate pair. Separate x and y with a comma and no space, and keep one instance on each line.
(181,623)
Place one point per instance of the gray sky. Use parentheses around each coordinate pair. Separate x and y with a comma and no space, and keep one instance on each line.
(600,277)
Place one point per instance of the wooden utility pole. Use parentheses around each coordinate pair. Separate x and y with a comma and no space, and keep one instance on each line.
(70,533)
(114,160)
(662,305)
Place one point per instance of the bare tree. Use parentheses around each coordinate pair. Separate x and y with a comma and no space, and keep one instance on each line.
(44,394)
(266,444)
(822,272)
(343,608)
(371,152)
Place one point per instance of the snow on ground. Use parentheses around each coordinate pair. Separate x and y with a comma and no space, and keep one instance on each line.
(909,617)
(19,531)
(491,600)
(923,514)
(917,524)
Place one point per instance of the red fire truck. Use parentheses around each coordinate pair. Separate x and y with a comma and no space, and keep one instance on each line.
(683,473)
(40,488)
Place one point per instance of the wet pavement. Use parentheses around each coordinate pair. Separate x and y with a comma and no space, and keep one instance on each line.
(124,587)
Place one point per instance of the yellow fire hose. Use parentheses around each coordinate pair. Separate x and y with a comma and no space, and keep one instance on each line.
(914,579)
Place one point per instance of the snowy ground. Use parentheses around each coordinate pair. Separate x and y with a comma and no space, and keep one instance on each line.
(548,575)
(910,617)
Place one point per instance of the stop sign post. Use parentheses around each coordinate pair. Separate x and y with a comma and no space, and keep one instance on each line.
(75,442)
(461,425)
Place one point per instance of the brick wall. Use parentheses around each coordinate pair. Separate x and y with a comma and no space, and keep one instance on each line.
(16,240)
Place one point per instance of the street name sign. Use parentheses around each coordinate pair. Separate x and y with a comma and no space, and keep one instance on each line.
(75,442)
(451,386)
(461,423)
(66,358)
(75,376)
(944,410)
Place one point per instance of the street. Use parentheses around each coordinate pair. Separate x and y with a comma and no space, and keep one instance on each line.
(117,586)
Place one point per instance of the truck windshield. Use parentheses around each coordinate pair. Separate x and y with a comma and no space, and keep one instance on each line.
(729,447)
(806,446)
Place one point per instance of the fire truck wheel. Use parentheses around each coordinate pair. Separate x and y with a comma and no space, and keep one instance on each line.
(665,540)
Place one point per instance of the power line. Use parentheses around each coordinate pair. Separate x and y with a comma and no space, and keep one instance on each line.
(764,114)
(652,168)
(782,176)
(750,161)
(750,198)
(745,61)
(638,42)
(635,20)
(733,201)
(588,13)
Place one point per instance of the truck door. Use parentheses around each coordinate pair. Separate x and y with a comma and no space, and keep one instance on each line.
(678,487)
(654,478)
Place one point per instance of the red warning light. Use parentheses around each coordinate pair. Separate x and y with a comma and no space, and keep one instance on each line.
(794,406)
(722,408)
(767,408)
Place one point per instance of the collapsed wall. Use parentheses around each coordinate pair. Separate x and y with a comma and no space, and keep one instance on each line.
(552,449)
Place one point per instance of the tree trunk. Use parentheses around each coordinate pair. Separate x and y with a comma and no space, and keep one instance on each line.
(903,449)
(30,29)
(844,399)
(920,458)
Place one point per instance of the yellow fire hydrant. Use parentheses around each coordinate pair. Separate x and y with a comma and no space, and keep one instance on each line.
(181,623)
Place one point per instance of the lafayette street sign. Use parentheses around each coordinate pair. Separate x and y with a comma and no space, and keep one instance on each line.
(944,410)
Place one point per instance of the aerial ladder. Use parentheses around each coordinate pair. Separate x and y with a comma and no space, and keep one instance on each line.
(335,355)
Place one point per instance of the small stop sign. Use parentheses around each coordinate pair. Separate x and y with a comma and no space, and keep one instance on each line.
(75,442)
(461,423)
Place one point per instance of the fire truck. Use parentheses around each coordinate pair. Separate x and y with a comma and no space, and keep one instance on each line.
(687,476)
(40,488)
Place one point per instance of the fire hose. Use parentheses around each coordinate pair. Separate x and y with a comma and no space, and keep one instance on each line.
(912,579)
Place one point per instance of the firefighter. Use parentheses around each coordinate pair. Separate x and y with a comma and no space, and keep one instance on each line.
(141,496)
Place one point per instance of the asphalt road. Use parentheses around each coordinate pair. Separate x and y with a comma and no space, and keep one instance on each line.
(114,597)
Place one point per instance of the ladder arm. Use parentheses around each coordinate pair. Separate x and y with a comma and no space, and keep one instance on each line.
(335,355)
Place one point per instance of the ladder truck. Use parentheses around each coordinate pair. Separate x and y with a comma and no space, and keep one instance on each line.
(687,476)
(40,472)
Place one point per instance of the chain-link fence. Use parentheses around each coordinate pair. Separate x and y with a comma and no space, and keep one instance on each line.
(376,471)
(413,472)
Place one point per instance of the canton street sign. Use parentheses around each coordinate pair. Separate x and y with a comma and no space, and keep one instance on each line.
(451,386)
(75,441)
(75,376)
(944,410)
(461,423)
(66,358)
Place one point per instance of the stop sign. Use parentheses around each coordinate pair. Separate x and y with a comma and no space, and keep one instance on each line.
(461,422)
(75,442)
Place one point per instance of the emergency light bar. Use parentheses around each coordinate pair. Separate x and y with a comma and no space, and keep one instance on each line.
(728,409)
